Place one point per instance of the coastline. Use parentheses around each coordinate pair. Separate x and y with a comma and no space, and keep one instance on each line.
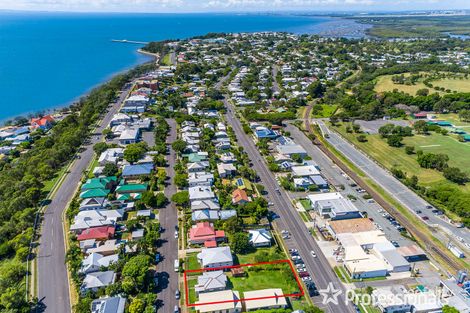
(152,57)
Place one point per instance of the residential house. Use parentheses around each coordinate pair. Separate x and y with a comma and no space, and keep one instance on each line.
(44,122)
(92,204)
(228,157)
(108,305)
(129,136)
(265,299)
(204,231)
(100,233)
(120,118)
(211,281)
(94,218)
(95,261)
(260,237)
(239,196)
(226,169)
(200,193)
(262,132)
(215,257)
(111,155)
(96,280)
(291,149)
(108,247)
(137,170)
(205,215)
(224,301)
(337,209)
(197,166)
(200,179)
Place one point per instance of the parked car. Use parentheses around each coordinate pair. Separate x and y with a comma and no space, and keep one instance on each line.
(425,218)
(177,294)
(301,270)
(296,257)
(418,211)
(293,251)
(304,274)
(300,265)
(307,278)
(176,310)
(176,234)
(395,243)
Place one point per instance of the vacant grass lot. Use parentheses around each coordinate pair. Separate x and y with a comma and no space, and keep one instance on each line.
(385,83)
(389,157)
(264,277)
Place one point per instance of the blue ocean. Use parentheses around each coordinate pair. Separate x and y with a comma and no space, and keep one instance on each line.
(49,59)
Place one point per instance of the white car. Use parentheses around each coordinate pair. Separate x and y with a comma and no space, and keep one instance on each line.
(300,265)
(176,234)
(300,270)
(313,254)
(308,278)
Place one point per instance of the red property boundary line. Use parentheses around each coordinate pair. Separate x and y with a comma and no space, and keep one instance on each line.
(186,285)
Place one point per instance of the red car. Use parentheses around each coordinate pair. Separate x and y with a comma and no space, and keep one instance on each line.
(304,274)
(425,218)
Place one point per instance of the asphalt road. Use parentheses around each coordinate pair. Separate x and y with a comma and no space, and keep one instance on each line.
(52,281)
(274,71)
(290,220)
(394,187)
(168,278)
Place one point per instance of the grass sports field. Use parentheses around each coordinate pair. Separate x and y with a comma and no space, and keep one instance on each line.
(385,83)
(378,148)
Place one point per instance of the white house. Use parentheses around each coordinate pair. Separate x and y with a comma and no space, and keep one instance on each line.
(215,257)
(96,280)
(260,237)
(95,261)
(211,281)
(108,305)
(277,301)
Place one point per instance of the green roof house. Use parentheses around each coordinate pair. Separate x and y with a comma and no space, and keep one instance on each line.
(131,188)
(99,183)
(94,193)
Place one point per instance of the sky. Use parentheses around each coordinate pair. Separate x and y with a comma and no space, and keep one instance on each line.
(167,6)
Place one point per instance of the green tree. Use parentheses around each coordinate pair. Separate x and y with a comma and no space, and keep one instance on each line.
(161,200)
(240,242)
(181,180)
(137,306)
(316,89)
(100,147)
(135,274)
(394,140)
(449,309)
(134,152)
(179,145)
(410,149)
(361,138)
(110,169)
(421,127)
(455,175)
(181,198)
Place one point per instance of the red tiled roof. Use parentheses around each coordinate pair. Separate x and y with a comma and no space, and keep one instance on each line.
(205,232)
(210,244)
(41,121)
(101,232)
(239,195)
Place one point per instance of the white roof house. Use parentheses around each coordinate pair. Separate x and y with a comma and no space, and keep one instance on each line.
(111,156)
(96,280)
(215,257)
(197,166)
(94,261)
(323,196)
(304,170)
(260,237)
(204,204)
(93,218)
(289,150)
(226,169)
(276,302)
(211,281)
(234,306)
(108,305)
(201,193)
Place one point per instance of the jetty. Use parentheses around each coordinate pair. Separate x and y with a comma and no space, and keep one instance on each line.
(130,41)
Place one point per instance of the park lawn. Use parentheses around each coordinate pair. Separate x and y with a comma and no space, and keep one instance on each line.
(389,157)
(265,277)
(48,185)
(457,84)
(384,83)
(457,151)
